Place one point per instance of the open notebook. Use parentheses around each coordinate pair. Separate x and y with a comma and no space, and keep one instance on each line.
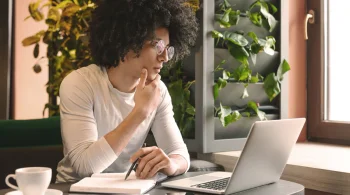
(115,183)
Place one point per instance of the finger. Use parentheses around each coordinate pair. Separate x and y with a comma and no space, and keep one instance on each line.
(145,173)
(143,78)
(140,153)
(156,80)
(162,164)
(150,165)
(144,160)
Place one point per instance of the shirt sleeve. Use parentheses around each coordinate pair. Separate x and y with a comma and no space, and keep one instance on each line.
(165,130)
(86,153)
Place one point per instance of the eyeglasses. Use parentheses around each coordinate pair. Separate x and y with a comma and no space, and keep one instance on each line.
(160,47)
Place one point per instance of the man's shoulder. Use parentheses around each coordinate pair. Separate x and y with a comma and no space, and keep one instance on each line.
(163,87)
(91,70)
(86,76)
(88,73)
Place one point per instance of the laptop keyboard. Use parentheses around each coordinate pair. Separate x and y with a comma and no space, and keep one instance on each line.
(219,184)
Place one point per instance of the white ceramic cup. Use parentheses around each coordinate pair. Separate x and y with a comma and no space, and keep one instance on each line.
(31,180)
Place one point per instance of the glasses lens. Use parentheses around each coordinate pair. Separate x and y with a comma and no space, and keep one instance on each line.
(160,46)
(171,52)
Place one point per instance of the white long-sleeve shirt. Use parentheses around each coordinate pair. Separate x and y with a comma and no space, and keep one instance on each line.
(90,108)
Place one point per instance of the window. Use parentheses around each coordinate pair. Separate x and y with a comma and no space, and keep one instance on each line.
(328,69)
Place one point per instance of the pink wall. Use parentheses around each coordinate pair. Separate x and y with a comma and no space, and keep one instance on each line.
(29,88)
(297,60)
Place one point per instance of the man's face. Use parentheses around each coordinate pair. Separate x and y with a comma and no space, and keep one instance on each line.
(149,58)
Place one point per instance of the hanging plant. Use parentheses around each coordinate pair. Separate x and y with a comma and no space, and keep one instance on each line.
(241,47)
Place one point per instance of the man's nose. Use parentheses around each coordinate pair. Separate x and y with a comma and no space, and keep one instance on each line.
(164,55)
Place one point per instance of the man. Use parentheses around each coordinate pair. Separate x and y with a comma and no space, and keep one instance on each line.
(107,109)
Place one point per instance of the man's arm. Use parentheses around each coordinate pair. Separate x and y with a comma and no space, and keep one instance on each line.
(171,156)
(181,162)
(147,98)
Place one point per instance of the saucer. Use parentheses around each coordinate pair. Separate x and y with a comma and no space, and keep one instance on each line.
(47,192)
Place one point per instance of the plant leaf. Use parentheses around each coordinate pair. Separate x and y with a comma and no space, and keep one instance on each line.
(261,115)
(30,40)
(187,93)
(224,19)
(234,17)
(47,37)
(272,86)
(233,117)
(190,109)
(70,10)
(225,74)
(236,38)
(222,83)
(254,79)
(27,17)
(225,115)
(273,8)
(225,110)
(34,11)
(255,18)
(36,50)
(63,4)
(215,91)
(269,51)
(228,18)
(37,68)
(245,93)
(216,35)
(254,106)
(188,128)
(255,48)
(239,53)
(225,4)
(282,68)
(33,39)
(253,57)
(269,45)
(53,17)
(271,20)
(176,92)
(253,36)
(242,73)
(245,114)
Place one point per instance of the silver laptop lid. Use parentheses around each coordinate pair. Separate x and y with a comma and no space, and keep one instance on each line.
(265,153)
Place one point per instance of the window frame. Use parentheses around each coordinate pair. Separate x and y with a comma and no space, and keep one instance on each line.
(318,128)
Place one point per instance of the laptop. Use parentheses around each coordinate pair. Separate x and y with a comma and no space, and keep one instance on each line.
(262,160)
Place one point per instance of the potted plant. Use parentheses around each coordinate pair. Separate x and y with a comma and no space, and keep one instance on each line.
(66,39)
(252,64)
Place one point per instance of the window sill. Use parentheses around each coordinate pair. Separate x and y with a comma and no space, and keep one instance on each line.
(321,167)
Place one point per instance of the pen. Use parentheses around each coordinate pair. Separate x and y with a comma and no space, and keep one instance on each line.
(133,165)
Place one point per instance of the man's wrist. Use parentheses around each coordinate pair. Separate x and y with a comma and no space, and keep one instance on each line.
(138,114)
(176,168)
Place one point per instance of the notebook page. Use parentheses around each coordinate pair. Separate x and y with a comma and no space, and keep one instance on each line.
(113,185)
(158,177)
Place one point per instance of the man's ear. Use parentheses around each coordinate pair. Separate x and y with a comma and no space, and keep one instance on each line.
(131,54)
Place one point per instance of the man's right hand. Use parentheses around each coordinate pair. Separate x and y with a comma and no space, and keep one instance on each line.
(147,95)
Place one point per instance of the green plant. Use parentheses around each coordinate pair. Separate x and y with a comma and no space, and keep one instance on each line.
(241,46)
(178,87)
(66,40)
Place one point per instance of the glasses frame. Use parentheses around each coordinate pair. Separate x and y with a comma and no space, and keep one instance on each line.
(159,45)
